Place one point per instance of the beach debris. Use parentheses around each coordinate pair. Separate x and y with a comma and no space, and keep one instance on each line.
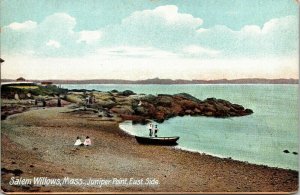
(16,172)
(286,151)
(295,153)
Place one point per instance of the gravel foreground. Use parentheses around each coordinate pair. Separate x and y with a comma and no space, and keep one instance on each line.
(39,143)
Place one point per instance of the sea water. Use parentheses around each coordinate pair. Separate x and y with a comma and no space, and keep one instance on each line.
(259,138)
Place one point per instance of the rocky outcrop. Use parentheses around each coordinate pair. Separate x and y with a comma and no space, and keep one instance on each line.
(126,93)
(141,107)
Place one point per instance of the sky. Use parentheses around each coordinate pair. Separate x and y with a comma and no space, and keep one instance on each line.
(142,39)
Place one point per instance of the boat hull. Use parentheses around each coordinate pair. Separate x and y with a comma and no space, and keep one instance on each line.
(169,141)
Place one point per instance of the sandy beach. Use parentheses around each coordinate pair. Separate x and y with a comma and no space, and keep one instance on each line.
(40,143)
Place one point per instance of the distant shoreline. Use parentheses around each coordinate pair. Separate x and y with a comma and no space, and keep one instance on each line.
(170,81)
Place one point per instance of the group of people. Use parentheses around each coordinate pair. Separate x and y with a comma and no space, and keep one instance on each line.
(87,141)
(90,99)
(153,130)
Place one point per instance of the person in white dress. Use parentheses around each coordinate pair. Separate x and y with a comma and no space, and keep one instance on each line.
(87,141)
(78,142)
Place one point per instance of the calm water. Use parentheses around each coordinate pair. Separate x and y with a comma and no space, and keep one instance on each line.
(259,138)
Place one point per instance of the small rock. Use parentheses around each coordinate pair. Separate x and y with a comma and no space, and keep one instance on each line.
(286,151)
(17,172)
(31,166)
(295,153)
(5,171)
(13,162)
(114,91)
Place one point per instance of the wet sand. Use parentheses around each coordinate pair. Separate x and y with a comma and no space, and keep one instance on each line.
(40,144)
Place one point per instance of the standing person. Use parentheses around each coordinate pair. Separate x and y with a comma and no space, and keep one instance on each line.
(155,131)
(87,141)
(44,103)
(58,102)
(150,129)
(78,142)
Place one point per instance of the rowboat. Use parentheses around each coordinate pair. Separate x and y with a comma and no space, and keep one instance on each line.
(157,140)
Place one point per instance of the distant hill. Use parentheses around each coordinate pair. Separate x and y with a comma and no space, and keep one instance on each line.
(170,81)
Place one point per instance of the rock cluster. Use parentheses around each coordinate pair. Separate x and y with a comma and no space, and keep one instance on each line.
(139,108)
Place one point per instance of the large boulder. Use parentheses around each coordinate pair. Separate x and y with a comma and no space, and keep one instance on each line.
(221,107)
(74,98)
(159,116)
(127,93)
(188,104)
(122,110)
(148,98)
(164,101)
(134,118)
(176,109)
(187,96)
(140,110)
(238,107)
(248,111)
(106,104)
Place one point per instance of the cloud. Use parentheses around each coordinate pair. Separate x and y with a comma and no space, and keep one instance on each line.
(25,26)
(167,29)
(276,37)
(57,31)
(195,50)
(164,30)
(163,27)
(52,43)
(135,52)
(167,15)
(89,36)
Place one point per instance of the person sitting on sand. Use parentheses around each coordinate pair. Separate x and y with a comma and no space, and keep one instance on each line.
(78,142)
(87,141)
(155,131)
(150,129)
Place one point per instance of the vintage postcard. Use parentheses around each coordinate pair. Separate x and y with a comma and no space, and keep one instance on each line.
(149,96)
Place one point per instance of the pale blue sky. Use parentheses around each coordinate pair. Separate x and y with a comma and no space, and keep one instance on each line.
(195,39)
(94,14)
